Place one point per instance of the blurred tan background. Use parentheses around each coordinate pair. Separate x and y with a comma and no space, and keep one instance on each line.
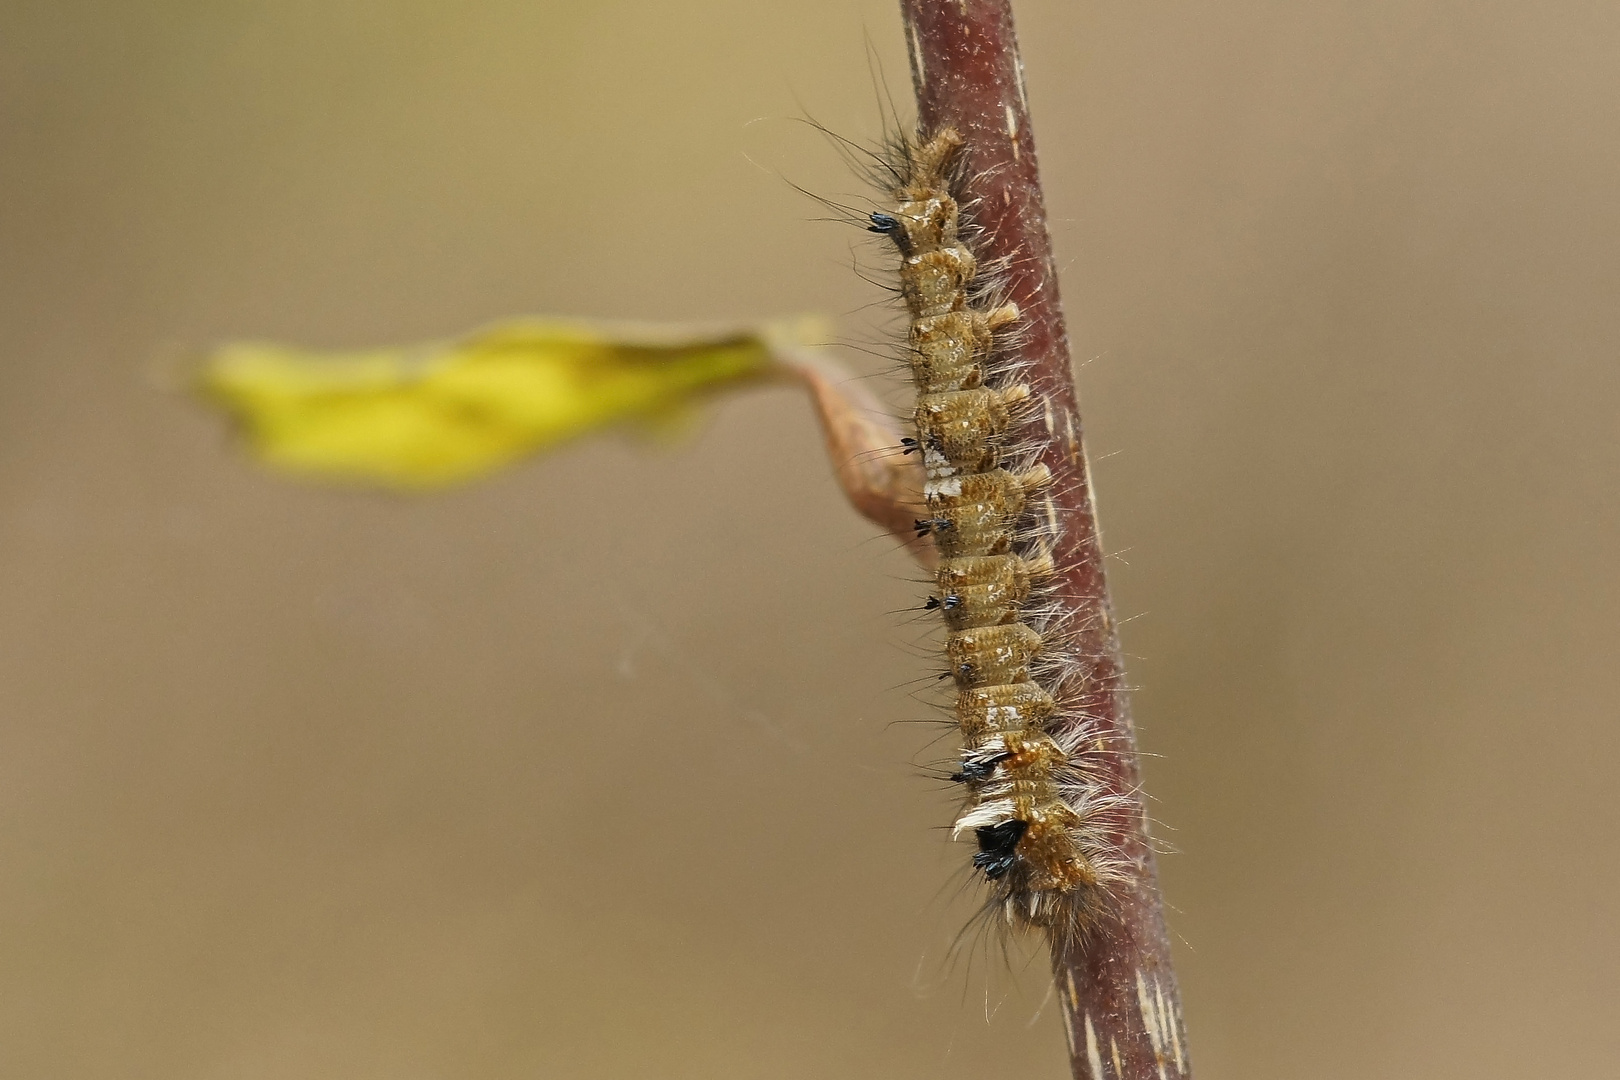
(599,769)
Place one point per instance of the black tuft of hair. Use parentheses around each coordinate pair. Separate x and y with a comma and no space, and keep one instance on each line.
(997,847)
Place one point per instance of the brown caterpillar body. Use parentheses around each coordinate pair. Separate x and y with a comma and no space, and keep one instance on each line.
(1028,801)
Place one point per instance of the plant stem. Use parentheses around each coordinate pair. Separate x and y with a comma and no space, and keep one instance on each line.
(1119,995)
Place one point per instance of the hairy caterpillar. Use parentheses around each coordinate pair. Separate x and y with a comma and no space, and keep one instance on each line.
(1030,803)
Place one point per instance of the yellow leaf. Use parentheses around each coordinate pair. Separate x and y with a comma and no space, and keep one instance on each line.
(434,415)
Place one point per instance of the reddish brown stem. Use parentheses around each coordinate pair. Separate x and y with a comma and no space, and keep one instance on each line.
(1117,987)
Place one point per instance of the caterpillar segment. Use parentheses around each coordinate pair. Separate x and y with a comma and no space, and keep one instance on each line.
(982,590)
(945,350)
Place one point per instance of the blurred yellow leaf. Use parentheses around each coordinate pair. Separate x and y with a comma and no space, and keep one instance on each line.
(429,416)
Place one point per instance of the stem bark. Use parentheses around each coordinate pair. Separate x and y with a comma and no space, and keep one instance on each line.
(1118,991)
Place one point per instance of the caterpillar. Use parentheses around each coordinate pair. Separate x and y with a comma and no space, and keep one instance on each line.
(1029,802)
